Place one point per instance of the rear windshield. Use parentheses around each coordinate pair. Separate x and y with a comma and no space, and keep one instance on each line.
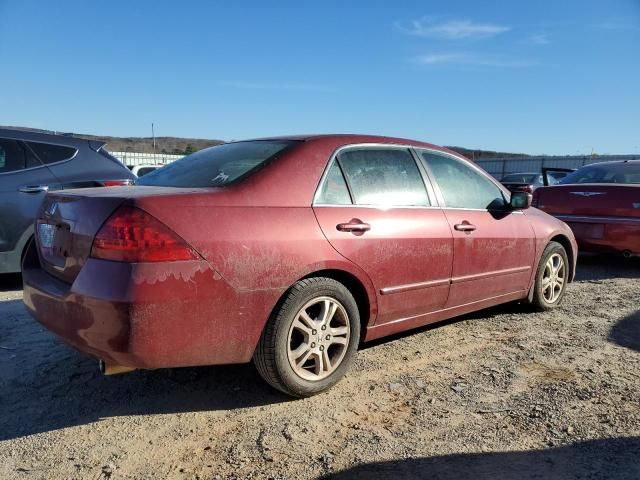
(217,166)
(603,173)
(523,178)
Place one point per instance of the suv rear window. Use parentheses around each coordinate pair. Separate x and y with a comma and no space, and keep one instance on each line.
(605,173)
(48,153)
(217,166)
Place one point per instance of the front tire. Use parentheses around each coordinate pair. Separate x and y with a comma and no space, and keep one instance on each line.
(311,338)
(552,277)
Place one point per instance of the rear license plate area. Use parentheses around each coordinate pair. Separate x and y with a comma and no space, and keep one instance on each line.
(53,240)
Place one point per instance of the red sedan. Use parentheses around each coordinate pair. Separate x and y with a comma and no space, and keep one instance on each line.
(601,204)
(287,251)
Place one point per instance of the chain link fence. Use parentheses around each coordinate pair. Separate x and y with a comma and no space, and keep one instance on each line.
(131,159)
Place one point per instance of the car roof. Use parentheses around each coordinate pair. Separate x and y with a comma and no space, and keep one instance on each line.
(355,138)
(522,173)
(59,139)
(613,162)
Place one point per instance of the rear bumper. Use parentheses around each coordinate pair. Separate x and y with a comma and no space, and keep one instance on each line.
(605,234)
(147,315)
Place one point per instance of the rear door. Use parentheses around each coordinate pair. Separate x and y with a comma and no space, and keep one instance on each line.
(494,247)
(23,183)
(375,208)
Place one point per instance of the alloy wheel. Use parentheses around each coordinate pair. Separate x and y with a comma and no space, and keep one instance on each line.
(553,278)
(318,338)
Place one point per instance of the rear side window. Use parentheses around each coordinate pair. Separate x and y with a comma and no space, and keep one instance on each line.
(49,153)
(461,185)
(217,166)
(383,177)
(334,191)
(14,156)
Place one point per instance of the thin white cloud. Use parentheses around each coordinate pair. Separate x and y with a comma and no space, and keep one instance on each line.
(307,87)
(470,59)
(451,29)
(614,25)
(539,39)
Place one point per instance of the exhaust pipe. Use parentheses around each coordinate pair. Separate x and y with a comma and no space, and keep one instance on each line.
(113,368)
(627,254)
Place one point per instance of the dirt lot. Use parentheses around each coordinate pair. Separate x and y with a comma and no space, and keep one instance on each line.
(504,393)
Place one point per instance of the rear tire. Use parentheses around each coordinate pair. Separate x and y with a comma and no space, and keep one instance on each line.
(552,277)
(311,338)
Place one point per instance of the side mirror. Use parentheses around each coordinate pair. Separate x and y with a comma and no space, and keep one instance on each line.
(520,200)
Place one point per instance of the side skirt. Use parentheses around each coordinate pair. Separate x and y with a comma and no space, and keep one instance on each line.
(404,324)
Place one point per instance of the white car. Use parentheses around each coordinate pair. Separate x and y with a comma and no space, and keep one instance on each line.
(141,170)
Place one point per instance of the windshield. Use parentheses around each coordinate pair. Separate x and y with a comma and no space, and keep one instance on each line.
(605,173)
(523,178)
(216,166)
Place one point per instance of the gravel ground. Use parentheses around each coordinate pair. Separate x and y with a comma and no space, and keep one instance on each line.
(503,393)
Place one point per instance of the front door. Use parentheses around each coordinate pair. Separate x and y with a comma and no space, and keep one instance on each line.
(494,247)
(374,209)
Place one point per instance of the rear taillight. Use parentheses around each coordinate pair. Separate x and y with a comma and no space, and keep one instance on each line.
(116,183)
(132,235)
(528,189)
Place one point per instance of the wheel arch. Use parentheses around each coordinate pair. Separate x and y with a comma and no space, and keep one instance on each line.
(357,289)
(566,243)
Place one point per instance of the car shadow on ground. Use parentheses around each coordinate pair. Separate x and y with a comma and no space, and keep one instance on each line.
(626,332)
(613,458)
(10,282)
(46,385)
(603,267)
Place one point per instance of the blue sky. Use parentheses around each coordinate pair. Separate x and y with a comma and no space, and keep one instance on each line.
(556,77)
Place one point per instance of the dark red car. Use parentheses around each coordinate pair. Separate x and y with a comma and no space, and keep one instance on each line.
(287,251)
(601,204)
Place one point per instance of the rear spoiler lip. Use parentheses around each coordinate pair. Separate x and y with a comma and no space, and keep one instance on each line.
(96,145)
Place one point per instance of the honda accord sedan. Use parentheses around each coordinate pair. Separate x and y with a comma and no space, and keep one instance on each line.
(289,252)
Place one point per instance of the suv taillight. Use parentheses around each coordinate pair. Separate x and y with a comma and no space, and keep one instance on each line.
(132,235)
(117,183)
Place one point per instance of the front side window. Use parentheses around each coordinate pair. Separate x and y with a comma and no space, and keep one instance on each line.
(216,166)
(461,185)
(383,177)
(14,156)
(48,153)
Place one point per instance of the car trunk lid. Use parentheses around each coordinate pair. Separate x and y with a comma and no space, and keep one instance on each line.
(69,221)
(590,200)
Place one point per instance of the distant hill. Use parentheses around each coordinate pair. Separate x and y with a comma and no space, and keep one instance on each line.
(180,146)
(172,145)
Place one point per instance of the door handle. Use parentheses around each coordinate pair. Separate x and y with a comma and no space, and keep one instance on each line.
(464,227)
(353,225)
(34,188)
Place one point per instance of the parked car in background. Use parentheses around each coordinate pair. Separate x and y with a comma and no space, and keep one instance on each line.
(522,182)
(287,251)
(528,182)
(31,164)
(601,204)
(142,170)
